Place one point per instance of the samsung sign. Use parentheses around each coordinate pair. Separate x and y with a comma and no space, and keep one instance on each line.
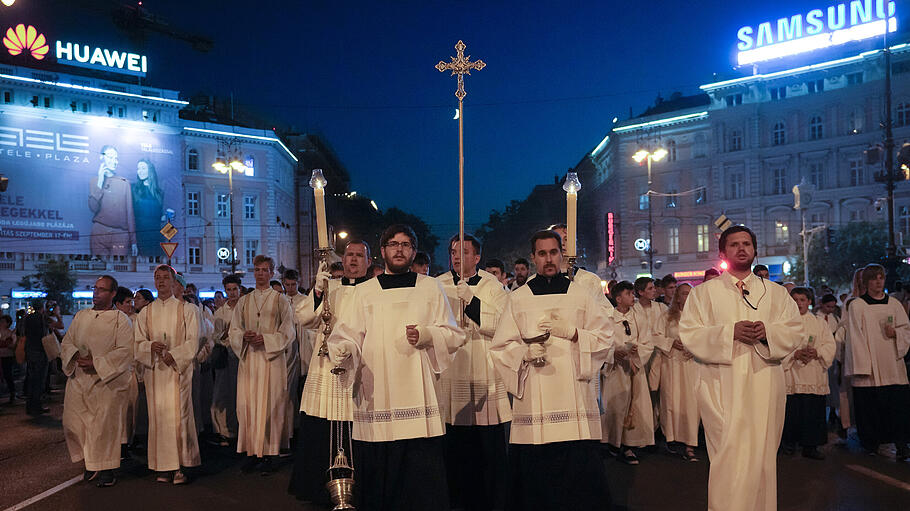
(84,55)
(840,23)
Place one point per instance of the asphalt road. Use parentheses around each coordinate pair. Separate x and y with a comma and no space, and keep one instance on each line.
(33,459)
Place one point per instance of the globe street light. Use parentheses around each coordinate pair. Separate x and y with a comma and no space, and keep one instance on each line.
(656,155)
(226,167)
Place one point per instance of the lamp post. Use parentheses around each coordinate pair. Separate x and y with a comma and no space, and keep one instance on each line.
(656,155)
(229,167)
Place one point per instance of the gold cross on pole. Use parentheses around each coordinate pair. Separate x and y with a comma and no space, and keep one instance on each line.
(460,66)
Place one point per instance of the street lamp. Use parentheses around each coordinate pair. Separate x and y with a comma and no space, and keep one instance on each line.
(229,167)
(656,155)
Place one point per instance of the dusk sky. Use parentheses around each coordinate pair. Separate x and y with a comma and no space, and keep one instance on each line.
(361,74)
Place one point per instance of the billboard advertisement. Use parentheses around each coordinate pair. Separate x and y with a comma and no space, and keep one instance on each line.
(86,187)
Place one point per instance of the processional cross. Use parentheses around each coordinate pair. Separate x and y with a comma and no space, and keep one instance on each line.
(460,66)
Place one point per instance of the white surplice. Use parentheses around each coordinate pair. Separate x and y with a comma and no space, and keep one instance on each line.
(873,360)
(224,388)
(95,402)
(558,401)
(172,441)
(394,390)
(811,378)
(202,376)
(651,315)
(624,389)
(262,392)
(741,390)
(678,382)
(326,395)
(471,393)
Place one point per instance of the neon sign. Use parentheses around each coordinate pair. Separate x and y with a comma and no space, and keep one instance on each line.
(26,39)
(611,241)
(841,23)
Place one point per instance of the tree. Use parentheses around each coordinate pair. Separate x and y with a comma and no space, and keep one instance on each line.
(56,279)
(833,264)
(506,234)
(426,240)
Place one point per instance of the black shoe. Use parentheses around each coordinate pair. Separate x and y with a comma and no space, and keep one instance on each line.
(250,465)
(267,467)
(89,475)
(813,453)
(124,452)
(106,479)
(628,457)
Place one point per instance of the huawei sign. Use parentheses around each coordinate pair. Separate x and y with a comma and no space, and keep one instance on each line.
(23,39)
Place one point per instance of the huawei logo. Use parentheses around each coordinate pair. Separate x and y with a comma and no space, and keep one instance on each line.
(26,39)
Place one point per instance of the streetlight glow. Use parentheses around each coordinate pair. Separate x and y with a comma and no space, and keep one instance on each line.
(659,154)
(343,234)
(640,155)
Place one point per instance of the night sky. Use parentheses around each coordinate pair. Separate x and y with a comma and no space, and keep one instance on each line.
(361,74)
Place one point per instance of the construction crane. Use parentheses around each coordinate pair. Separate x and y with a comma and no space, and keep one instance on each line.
(137,22)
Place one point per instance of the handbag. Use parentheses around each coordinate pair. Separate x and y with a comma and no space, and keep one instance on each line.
(51,346)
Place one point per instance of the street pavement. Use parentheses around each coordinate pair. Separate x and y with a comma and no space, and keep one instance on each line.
(34,459)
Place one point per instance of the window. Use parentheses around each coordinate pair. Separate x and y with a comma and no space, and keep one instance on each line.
(671,150)
(194,254)
(781,232)
(735,185)
(816,128)
(815,86)
(904,220)
(736,140)
(703,241)
(192,203)
(817,175)
(858,215)
(734,99)
(192,159)
(250,163)
(701,146)
(778,93)
(671,199)
(221,205)
(673,240)
(779,181)
(855,121)
(779,133)
(150,115)
(86,107)
(857,173)
(902,115)
(8,96)
(250,250)
(855,78)
(643,201)
(249,207)
(121,111)
(48,101)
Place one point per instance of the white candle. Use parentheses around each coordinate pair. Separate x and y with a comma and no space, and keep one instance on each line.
(571,215)
(321,229)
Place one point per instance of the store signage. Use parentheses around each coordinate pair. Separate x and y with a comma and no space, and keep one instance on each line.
(28,40)
(691,274)
(838,24)
(642,244)
(611,240)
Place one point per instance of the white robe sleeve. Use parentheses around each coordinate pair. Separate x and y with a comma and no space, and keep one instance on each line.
(857,354)
(306,313)
(185,353)
(445,336)
(68,349)
(902,328)
(825,345)
(710,343)
(492,299)
(120,357)
(276,343)
(784,331)
(595,340)
(349,333)
(236,331)
(660,338)
(142,339)
(508,351)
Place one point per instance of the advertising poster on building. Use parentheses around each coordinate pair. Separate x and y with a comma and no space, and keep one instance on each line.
(86,187)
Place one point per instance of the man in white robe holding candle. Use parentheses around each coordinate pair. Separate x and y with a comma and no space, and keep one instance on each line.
(473,398)
(167,339)
(397,335)
(739,327)
(97,356)
(552,339)
(261,329)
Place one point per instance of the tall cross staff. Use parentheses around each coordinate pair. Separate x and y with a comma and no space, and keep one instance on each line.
(460,66)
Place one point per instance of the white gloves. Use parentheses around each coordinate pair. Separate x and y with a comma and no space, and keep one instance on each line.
(338,354)
(535,350)
(558,326)
(322,281)
(464,291)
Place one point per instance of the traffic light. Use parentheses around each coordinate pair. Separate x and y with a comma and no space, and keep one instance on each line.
(832,236)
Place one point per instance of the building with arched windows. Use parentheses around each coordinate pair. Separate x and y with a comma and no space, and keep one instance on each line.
(737,149)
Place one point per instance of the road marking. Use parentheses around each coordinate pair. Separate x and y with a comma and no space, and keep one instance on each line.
(881,477)
(45,494)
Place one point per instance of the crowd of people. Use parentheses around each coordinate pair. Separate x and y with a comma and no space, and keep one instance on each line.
(473,389)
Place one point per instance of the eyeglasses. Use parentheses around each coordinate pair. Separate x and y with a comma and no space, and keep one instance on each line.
(627,327)
(405,245)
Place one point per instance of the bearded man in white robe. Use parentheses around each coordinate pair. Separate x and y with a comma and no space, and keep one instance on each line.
(167,339)
(261,329)
(739,327)
(97,356)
